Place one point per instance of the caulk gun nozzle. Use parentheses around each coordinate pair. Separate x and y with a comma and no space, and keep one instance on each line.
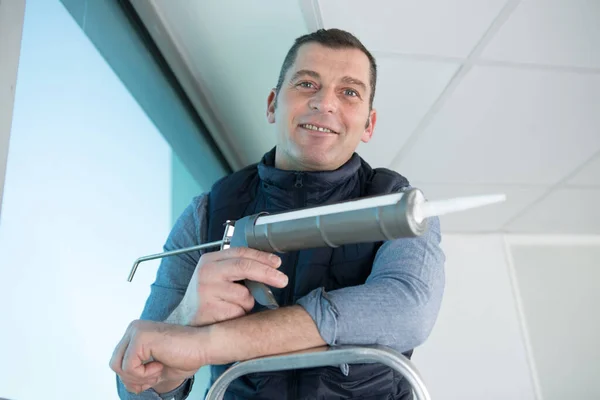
(442,207)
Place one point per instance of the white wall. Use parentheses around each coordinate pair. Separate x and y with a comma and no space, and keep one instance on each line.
(87,191)
(503,331)
(476,350)
(558,287)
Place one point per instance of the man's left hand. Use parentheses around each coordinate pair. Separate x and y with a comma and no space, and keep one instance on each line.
(153,352)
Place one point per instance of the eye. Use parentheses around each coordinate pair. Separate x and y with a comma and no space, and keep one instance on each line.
(305,84)
(351,93)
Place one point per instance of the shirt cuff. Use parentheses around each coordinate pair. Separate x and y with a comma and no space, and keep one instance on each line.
(179,393)
(318,305)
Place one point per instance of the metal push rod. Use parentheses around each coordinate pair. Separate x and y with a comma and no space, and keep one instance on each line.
(171,253)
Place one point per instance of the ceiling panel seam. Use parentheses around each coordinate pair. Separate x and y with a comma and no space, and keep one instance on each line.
(560,184)
(456,79)
(572,69)
(417,57)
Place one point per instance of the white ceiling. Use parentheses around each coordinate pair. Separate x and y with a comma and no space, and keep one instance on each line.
(473,96)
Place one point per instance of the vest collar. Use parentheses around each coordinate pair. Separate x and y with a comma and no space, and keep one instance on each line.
(310,179)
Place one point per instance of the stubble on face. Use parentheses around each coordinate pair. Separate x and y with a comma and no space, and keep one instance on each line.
(327,89)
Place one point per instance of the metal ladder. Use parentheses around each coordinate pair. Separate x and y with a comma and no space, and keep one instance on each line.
(321,357)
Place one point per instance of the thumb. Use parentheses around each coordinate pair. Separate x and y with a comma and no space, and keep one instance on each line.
(153,368)
(140,365)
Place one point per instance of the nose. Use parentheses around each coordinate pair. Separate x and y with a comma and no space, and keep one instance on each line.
(324,101)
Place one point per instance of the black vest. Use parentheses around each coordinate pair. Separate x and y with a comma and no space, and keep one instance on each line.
(262,187)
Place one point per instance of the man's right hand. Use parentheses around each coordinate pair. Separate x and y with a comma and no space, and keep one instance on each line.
(213,294)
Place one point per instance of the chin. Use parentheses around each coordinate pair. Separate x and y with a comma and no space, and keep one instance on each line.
(318,161)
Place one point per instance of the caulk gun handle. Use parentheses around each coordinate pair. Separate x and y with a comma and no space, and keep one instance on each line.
(262,294)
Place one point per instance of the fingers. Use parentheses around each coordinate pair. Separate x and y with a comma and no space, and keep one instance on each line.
(116,361)
(153,368)
(236,294)
(218,310)
(141,379)
(239,263)
(244,268)
(137,385)
(245,252)
(218,297)
(136,375)
(227,311)
(133,361)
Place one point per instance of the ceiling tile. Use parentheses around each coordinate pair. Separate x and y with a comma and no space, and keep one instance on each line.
(509,126)
(485,219)
(405,91)
(589,175)
(551,32)
(443,28)
(565,211)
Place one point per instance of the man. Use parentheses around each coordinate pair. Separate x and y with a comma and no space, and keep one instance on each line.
(371,293)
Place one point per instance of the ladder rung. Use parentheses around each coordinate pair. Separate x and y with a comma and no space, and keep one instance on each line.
(320,357)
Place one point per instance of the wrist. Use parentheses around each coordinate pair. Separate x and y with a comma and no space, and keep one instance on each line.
(219,341)
(211,336)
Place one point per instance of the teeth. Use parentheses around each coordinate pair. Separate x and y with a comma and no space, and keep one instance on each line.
(316,128)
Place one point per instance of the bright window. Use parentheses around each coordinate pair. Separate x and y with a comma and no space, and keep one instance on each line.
(88,190)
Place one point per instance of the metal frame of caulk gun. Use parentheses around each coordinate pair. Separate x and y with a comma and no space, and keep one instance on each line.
(392,217)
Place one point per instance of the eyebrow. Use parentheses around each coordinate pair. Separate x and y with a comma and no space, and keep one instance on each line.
(303,72)
(347,79)
(353,81)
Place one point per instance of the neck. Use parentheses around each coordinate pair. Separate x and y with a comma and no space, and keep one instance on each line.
(286,162)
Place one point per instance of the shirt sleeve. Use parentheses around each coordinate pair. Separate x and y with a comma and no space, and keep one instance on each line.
(179,393)
(172,279)
(398,304)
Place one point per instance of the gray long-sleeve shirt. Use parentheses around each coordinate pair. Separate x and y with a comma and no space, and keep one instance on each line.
(397,306)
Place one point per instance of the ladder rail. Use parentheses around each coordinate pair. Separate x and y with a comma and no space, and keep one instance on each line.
(320,357)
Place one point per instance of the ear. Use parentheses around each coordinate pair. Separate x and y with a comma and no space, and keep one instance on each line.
(368,133)
(271,100)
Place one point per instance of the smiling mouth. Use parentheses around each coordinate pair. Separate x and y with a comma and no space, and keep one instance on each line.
(316,128)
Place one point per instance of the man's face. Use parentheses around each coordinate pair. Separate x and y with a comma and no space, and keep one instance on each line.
(325,89)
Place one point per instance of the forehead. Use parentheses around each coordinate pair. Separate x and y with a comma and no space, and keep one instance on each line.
(332,63)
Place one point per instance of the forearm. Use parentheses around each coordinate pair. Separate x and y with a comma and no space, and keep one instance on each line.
(398,304)
(373,314)
(265,333)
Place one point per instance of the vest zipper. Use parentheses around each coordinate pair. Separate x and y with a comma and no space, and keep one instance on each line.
(298,183)
(300,201)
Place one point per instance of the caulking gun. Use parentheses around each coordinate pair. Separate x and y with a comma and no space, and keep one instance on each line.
(368,219)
